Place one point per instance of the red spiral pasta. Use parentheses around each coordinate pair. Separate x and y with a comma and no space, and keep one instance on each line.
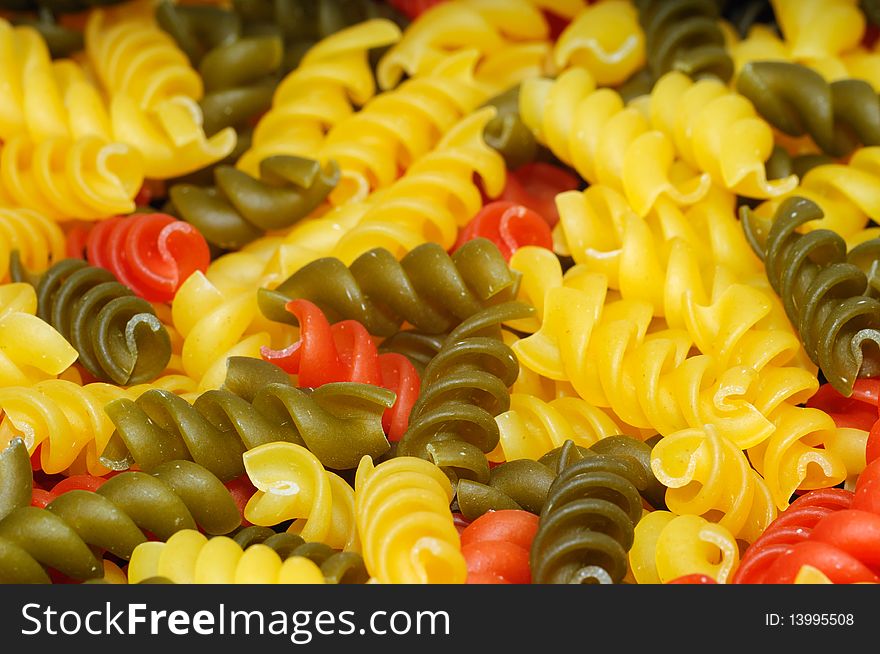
(536,185)
(508,225)
(151,253)
(345,352)
(496,547)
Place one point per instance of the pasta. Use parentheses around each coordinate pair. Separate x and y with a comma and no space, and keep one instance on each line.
(179,495)
(118,336)
(338,422)
(427,288)
(293,485)
(463,389)
(404,522)
(38,240)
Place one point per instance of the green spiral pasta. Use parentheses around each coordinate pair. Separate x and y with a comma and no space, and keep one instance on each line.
(520,484)
(118,336)
(507,133)
(418,347)
(240,208)
(824,295)
(174,496)
(61,41)
(587,523)
(782,164)
(464,387)
(16,481)
(684,35)
(428,288)
(339,423)
(839,116)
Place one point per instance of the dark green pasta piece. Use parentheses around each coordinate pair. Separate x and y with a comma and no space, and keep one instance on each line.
(16,477)
(839,116)
(782,164)
(240,208)
(240,73)
(117,335)
(507,133)
(871,9)
(427,288)
(339,423)
(587,524)
(825,296)
(416,346)
(61,41)
(452,424)
(684,35)
(245,376)
(116,518)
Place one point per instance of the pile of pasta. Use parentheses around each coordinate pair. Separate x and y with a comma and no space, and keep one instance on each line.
(439,291)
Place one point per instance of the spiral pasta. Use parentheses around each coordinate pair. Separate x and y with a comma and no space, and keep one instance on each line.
(606,142)
(405,525)
(464,387)
(38,240)
(117,335)
(601,492)
(822,293)
(293,485)
(177,496)
(427,288)
(667,546)
(333,76)
(89,178)
(30,349)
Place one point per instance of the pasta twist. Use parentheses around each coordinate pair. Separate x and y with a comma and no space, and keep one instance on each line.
(464,387)
(668,546)
(586,525)
(331,78)
(819,29)
(707,475)
(177,496)
(38,240)
(240,208)
(398,127)
(118,336)
(427,288)
(490,28)
(405,524)
(839,116)
(606,142)
(30,349)
(338,567)
(89,178)
(338,422)
(292,484)
(684,35)
(717,131)
(823,294)
(604,38)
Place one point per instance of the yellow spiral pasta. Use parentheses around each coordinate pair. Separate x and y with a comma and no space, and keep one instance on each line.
(667,546)
(707,475)
(532,427)
(499,31)
(605,39)
(293,485)
(88,179)
(65,420)
(405,524)
(397,127)
(606,142)
(333,76)
(132,56)
(30,349)
(38,240)
(188,557)
(717,131)
(848,194)
(218,318)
